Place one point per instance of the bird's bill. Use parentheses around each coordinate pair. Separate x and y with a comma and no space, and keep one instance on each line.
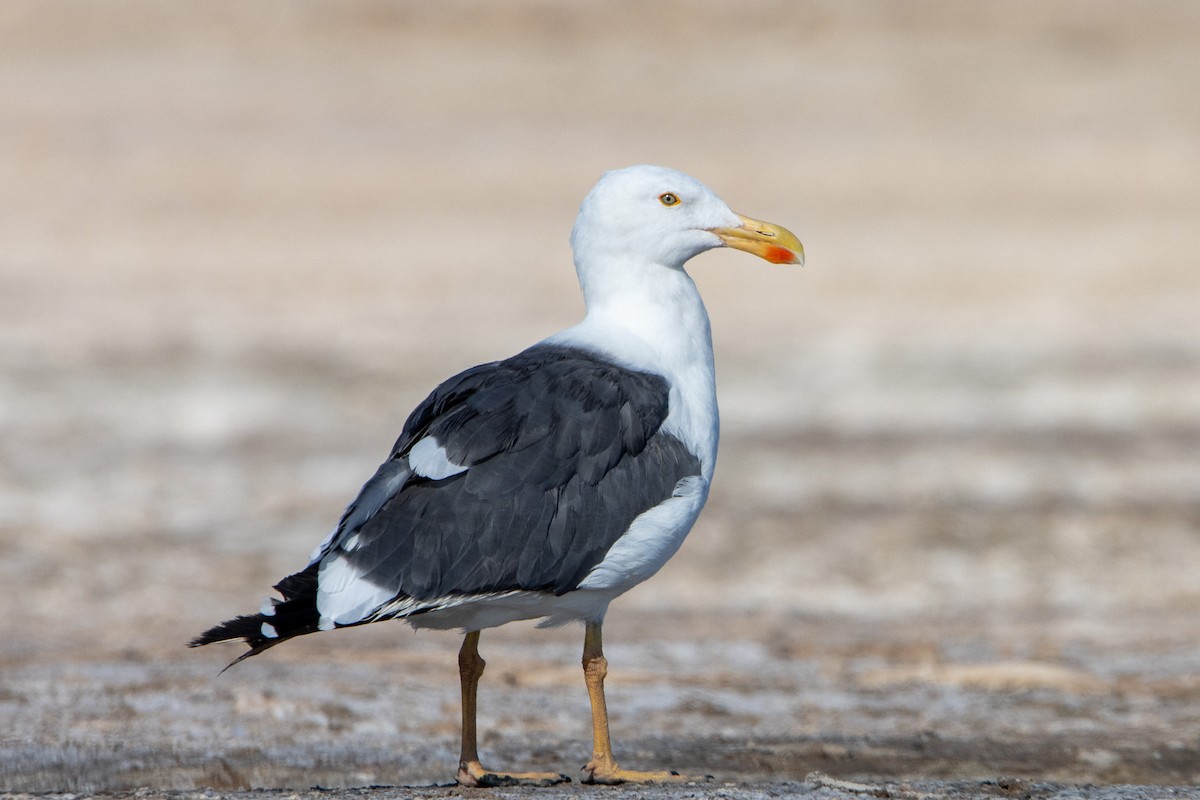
(772,242)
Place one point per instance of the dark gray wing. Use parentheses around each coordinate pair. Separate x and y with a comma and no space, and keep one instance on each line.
(554,452)
(561,449)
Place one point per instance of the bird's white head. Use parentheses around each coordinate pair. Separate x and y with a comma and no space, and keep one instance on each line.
(655,215)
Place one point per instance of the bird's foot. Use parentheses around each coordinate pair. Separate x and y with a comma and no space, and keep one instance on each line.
(474,774)
(606,771)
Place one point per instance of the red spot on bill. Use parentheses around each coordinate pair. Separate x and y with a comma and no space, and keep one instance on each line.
(779,255)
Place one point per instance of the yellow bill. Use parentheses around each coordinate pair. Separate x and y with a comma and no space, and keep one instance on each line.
(765,240)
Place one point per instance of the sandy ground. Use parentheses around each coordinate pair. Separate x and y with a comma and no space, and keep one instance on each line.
(954,542)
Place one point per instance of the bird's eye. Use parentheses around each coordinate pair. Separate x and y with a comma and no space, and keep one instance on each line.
(668,199)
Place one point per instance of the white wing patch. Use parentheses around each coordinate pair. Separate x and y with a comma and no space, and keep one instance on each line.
(344,596)
(428,459)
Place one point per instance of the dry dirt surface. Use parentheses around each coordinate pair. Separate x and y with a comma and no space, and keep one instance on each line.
(953,549)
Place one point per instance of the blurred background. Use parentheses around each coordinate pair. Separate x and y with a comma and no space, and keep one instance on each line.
(961,447)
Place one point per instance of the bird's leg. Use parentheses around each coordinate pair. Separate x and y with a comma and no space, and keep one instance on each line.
(603,767)
(470,670)
(470,771)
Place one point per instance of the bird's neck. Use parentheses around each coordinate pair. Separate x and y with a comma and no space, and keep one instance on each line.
(650,318)
(659,306)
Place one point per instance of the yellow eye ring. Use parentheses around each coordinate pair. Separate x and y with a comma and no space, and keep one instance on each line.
(668,199)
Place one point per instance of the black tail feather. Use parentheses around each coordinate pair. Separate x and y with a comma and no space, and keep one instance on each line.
(294,616)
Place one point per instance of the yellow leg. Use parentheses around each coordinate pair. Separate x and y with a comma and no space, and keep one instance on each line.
(603,768)
(470,771)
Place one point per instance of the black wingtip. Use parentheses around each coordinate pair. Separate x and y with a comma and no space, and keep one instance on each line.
(247,628)
(295,615)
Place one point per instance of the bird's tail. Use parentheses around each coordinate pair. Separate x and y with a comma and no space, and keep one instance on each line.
(279,620)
